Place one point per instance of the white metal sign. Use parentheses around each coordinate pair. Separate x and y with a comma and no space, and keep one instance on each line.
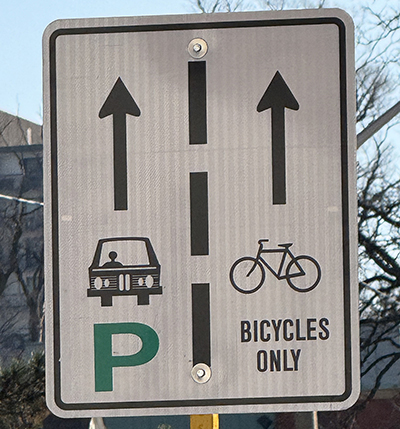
(200,214)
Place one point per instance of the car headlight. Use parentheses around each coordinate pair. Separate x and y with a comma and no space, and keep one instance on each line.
(98,283)
(149,281)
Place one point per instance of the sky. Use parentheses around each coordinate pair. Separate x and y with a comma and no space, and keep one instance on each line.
(22,25)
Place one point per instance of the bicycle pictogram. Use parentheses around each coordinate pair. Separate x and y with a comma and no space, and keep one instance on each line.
(302,273)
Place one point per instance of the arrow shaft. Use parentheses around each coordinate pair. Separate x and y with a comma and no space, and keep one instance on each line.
(278,156)
(120,162)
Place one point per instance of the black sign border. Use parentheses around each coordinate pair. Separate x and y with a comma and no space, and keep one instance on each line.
(55,220)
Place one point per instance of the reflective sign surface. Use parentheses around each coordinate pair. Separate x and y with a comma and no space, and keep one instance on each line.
(200,210)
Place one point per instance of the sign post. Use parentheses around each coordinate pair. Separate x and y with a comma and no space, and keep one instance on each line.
(201,243)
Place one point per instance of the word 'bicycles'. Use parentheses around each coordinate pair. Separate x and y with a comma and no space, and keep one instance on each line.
(302,273)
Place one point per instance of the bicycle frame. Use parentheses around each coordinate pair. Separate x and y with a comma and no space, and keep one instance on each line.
(286,253)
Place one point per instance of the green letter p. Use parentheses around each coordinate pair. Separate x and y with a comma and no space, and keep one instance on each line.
(104,361)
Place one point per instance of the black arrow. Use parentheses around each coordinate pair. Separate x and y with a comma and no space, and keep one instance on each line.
(120,103)
(277,97)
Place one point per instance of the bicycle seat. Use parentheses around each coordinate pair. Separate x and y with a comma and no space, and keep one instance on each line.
(287,245)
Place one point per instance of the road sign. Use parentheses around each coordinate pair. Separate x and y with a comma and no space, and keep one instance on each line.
(201,251)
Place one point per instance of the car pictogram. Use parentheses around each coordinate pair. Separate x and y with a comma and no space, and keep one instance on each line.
(124,266)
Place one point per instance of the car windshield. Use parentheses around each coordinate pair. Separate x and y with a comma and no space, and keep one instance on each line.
(123,253)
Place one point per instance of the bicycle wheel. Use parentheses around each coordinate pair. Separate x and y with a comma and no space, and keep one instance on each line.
(247,275)
(303,273)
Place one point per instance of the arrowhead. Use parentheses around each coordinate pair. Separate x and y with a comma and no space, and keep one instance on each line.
(277,94)
(119,101)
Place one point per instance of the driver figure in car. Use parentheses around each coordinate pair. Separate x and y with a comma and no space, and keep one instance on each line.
(112,263)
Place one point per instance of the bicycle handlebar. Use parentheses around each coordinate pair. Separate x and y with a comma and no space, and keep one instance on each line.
(263,240)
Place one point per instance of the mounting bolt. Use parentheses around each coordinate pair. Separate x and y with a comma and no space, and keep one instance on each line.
(197,48)
(201,373)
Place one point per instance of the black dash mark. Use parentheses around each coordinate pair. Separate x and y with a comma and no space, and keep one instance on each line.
(199,214)
(201,335)
(120,103)
(278,97)
(197,103)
